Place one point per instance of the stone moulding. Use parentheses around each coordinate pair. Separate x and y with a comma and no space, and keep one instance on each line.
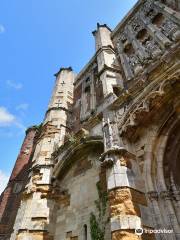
(116,70)
(69,156)
(57,109)
(155,99)
(79,136)
(116,150)
(135,87)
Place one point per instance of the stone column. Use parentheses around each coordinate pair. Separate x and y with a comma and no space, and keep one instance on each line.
(126,191)
(35,216)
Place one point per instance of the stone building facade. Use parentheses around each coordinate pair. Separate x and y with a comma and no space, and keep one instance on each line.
(106,159)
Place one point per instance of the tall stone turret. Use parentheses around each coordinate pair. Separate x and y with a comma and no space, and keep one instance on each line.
(11,197)
(102,36)
(33,219)
(108,66)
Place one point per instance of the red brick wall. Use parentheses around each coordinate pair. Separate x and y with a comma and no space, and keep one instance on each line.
(11,197)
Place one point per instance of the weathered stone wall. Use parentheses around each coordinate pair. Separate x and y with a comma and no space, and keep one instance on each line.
(80,184)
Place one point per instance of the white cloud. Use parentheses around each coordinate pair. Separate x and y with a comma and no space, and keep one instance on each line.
(6,118)
(22,106)
(2,29)
(3,180)
(14,85)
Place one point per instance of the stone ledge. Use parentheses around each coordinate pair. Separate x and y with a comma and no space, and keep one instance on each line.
(125,222)
(117,150)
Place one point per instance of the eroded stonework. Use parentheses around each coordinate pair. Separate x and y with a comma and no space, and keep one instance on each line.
(106,157)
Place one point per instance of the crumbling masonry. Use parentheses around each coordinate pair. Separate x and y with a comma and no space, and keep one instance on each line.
(106,159)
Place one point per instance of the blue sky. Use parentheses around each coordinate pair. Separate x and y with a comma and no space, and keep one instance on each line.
(37,37)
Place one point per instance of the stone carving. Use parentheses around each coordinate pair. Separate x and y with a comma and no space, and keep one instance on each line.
(134,117)
(135,64)
(152,48)
(160,30)
(170,3)
(147,6)
(110,134)
(123,37)
(139,113)
(136,24)
(171,30)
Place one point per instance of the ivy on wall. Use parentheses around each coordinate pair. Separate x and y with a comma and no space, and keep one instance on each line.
(98,224)
(71,138)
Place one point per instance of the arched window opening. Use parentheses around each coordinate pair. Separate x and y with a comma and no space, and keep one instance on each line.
(128,49)
(85,232)
(87,89)
(158,19)
(142,35)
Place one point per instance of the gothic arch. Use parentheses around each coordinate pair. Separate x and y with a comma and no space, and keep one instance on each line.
(161,163)
(80,147)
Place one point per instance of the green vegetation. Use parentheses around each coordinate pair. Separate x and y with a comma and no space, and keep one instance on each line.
(98,224)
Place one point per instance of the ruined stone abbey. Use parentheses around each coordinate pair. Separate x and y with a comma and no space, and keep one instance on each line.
(105,162)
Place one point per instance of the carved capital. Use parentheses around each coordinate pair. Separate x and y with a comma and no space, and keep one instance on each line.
(116,150)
